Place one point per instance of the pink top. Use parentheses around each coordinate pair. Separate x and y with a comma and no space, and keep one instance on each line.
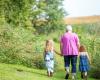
(69,43)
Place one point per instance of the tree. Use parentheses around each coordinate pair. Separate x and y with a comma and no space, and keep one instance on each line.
(43,15)
(16,12)
(51,14)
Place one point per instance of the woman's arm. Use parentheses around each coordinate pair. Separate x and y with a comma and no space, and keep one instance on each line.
(57,53)
(61,48)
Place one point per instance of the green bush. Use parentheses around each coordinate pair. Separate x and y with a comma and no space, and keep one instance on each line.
(95,72)
(39,61)
(55,39)
(96,66)
(18,46)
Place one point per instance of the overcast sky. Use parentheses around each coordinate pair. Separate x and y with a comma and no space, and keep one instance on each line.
(82,7)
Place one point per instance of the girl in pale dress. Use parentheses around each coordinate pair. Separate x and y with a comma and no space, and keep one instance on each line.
(49,57)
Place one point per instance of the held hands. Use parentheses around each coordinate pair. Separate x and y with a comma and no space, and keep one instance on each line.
(59,54)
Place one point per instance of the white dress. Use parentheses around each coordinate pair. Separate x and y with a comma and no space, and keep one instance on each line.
(49,60)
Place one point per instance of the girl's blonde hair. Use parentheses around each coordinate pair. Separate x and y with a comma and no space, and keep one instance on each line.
(49,45)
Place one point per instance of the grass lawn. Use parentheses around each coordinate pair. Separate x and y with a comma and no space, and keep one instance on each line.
(18,72)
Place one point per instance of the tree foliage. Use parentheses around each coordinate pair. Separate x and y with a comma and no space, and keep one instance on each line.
(50,16)
(16,12)
(43,15)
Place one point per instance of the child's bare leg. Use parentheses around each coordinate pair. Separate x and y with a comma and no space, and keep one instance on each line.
(85,76)
(48,72)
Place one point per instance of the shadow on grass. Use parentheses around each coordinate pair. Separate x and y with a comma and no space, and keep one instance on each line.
(42,74)
(59,75)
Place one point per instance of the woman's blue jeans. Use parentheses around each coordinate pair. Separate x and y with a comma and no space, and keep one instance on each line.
(73,60)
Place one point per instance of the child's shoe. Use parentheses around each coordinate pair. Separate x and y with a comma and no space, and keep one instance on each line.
(51,74)
(82,75)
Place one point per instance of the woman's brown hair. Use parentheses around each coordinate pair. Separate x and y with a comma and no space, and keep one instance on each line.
(82,48)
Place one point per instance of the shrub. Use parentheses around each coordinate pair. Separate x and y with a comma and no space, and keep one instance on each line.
(96,66)
(95,73)
(39,61)
(55,39)
(17,46)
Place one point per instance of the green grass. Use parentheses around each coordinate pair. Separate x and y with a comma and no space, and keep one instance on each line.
(18,72)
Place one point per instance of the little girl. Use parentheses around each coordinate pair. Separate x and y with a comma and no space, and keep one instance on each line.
(84,62)
(49,57)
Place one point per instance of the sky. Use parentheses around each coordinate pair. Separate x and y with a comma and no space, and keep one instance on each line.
(76,8)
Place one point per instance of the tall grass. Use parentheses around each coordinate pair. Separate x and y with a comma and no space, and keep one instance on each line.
(18,45)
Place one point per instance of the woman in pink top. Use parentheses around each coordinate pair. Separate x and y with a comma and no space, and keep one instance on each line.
(69,45)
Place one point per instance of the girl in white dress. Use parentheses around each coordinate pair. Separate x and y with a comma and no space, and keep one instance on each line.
(49,57)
